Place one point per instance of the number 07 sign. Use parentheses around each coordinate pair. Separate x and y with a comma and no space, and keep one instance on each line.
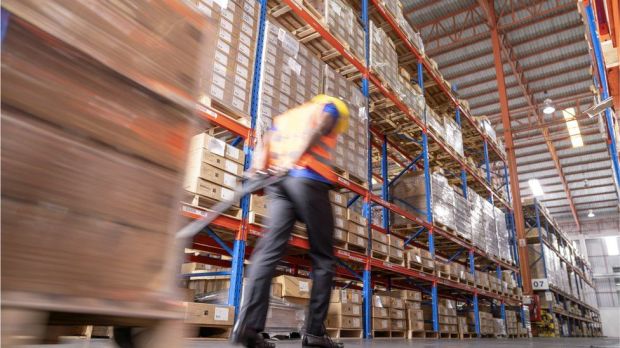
(540,284)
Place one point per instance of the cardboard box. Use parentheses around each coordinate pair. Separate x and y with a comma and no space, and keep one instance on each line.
(381,301)
(341,223)
(339,211)
(415,326)
(214,191)
(346,296)
(396,253)
(197,156)
(396,242)
(413,305)
(380,324)
(343,322)
(398,324)
(356,240)
(397,303)
(294,287)
(415,315)
(258,204)
(357,229)
(347,309)
(338,198)
(397,313)
(380,312)
(379,237)
(340,235)
(411,295)
(380,247)
(355,217)
(208,314)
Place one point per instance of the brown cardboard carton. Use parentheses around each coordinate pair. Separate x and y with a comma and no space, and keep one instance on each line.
(356,217)
(337,198)
(380,324)
(380,312)
(415,315)
(411,295)
(397,303)
(396,242)
(348,309)
(396,253)
(357,229)
(398,324)
(416,326)
(208,314)
(380,247)
(379,237)
(343,322)
(397,313)
(294,287)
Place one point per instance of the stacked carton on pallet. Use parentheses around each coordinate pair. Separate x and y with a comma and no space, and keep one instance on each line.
(462,216)
(415,316)
(420,259)
(351,154)
(409,192)
(448,323)
(291,75)
(213,170)
(380,245)
(397,246)
(454,136)
(476,204)
(357,238)
(383,56)
(342,21)
(341,224)
(398,316)
(231,63)
(380,313)
(345,313)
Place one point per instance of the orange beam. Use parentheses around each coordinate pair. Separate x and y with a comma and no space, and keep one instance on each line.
(512,161)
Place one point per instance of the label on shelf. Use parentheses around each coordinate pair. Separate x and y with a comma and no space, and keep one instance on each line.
(540,284)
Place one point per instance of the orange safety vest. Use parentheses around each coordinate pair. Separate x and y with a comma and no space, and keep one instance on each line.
(289,131)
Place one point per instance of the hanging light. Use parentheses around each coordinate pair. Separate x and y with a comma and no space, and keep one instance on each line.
(548,107)
(591,214)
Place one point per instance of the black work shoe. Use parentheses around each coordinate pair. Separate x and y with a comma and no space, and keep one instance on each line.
(312,341)
(251,339)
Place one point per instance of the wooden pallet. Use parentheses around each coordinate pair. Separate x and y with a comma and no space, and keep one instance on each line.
(389,333)
(209,332)
(353,247)
(467,335)
(448,335)
(419,267)
(345,333)
(397,261)
(398,334)
(445,228)
(351,177)
(257,219)
(421,334)
(379,255)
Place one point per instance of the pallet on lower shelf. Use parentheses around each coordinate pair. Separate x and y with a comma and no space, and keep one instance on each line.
(389,334)
(467,335)
(446,228)
(397,261)
(421,334)
(209,332)
(208,203)
(379,255)
(345,333)
(421,268)
(448,335)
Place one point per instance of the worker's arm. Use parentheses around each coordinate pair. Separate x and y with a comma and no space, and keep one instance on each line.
(326,124)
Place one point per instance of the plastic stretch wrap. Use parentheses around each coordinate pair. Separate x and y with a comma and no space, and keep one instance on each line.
(95,128)
(291,75)
(283,316)
(351,153)
(413,36)
(462,216)
(503,235)
(383,56)
(490,228)
(409,193)
(453,134)
(477,219)
(435,122)
(342,22)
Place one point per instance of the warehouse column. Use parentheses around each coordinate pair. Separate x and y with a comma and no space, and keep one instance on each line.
(510,152)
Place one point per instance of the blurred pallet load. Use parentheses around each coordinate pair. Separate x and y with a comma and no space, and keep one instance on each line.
(95,128)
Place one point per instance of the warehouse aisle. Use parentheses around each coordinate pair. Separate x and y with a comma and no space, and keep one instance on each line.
(354,343)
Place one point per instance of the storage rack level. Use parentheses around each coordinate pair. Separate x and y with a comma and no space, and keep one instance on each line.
(419,146)
(546,237)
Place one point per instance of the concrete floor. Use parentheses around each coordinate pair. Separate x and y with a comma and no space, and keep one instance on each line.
(391,343)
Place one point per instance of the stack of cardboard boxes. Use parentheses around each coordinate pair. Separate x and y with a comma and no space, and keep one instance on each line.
(357,238)
(462,216)
(487,323)
(420,259)
(398,317)
(291,75)
(383,56)
(409,192)
(410,94)
(351,153)
(342,21)
(209,315)
(214,168)
(345,310)
(448,322)
(477,219)
(415,316)
(435,122)
(397,246)
(380,245)
(381,312)
(231,63)
(454,136)
(512,323)
(463,327)
(341,224)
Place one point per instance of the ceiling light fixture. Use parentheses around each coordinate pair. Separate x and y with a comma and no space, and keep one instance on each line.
(548,107)
(591,214)
(537,190)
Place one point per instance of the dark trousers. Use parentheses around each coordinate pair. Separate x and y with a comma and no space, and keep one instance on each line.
(290,200)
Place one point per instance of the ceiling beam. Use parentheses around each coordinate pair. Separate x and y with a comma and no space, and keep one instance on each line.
(501,45)
(422,25)
(558,101)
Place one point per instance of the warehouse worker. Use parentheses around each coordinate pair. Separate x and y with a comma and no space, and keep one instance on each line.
(299,146)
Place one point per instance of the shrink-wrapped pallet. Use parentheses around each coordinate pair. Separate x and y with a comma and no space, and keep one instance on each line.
(453,135)
(383,56)
(490,228)
(342,21)
(409,192)
(462,218)
(95,128)
(476,204)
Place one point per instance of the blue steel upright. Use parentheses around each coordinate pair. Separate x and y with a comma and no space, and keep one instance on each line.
(385,193)
(600,66)
(463,172)
(238,256)
(367,285)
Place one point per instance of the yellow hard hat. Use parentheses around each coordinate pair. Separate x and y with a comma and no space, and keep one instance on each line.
(341,106)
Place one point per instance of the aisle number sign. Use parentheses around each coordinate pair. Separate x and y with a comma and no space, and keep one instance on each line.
(540,284)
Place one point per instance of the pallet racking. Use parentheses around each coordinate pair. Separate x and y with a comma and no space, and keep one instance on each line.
(572,308)
(419,147)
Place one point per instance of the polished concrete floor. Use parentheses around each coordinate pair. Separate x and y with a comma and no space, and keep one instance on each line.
(391,343)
